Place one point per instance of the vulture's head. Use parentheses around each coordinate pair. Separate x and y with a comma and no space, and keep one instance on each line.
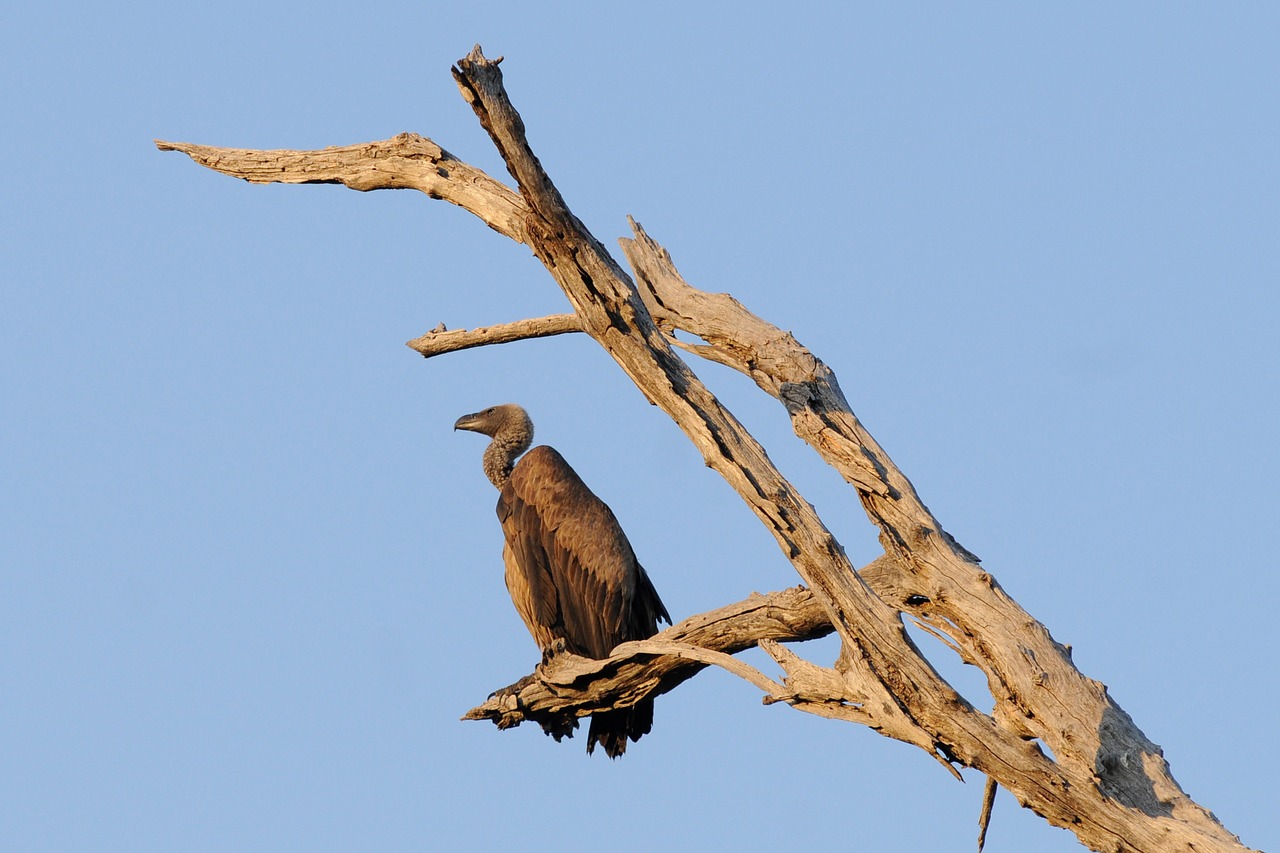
(505,420)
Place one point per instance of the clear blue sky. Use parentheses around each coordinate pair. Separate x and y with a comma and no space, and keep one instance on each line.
(250,579)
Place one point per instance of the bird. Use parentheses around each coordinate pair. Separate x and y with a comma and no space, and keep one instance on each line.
(571,573)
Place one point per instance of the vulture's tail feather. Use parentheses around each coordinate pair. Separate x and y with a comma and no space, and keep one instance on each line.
(612,728)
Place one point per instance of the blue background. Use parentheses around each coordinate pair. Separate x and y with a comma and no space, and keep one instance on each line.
(250,579)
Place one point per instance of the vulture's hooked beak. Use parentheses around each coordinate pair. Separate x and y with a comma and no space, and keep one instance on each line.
(467,422)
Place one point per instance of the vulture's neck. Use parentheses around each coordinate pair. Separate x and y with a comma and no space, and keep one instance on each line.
(500,455)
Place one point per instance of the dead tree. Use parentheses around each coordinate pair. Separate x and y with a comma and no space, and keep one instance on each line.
(1106,781)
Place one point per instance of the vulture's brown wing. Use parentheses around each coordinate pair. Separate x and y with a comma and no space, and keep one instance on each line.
(573,567)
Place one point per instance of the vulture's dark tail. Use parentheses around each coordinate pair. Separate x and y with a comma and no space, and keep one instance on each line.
(612,728)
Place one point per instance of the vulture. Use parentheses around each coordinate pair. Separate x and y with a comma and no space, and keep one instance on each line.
(569,567)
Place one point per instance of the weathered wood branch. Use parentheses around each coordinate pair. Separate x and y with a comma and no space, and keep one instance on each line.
(566,687)
(1038,690)
(406,161)
(441,340)
(1108,783)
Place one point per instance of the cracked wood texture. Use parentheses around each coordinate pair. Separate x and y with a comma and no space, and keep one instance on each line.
(1107,783)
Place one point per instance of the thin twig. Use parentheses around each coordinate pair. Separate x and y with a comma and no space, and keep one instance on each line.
(689,652)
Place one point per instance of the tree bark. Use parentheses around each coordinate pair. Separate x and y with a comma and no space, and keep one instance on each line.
(1106,782)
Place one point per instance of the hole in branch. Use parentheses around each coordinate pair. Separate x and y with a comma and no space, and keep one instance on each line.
(685,337)
(1044,747)
(969,681)
(821,652)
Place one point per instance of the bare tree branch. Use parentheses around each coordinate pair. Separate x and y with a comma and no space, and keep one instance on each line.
(686,651)
(1038,690)
(406,161)
(571,685)
(566,686)
(441,340)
